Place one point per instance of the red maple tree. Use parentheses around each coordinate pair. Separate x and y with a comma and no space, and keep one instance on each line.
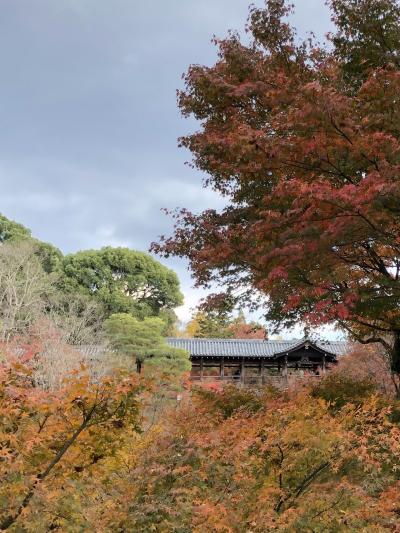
(303,142)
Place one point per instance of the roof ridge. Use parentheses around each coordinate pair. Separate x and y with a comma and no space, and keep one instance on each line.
(283,341)
(220,339)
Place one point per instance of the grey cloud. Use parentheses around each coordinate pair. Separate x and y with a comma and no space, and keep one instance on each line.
(88,116)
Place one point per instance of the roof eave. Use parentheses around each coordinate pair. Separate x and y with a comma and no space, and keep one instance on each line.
(306,344)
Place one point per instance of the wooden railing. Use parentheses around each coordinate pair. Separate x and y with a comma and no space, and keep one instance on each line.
(278,380)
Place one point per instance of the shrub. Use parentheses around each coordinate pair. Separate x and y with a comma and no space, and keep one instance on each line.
(339,389)
(230,400)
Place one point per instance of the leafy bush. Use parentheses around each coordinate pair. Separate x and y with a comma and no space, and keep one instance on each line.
(230,400)
(339,389)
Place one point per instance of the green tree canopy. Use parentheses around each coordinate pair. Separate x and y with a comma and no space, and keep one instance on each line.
(223,325)
(211,324)
(124,281)
(49,256)
(12,231)
(143,340)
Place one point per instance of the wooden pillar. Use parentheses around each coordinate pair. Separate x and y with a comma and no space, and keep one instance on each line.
(261,370)
(242,371)
(285,366)
(201,368)
(221,369)
(324,363)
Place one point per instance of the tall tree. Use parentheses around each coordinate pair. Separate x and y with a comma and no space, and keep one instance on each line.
(209,325)
(49,255)
(143,341)
(124,281)
(241,329)
(25,288)
(52,441)
(304,143)
(10,230)
(223,325)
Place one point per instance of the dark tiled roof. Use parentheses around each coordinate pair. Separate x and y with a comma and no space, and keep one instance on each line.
(251,348)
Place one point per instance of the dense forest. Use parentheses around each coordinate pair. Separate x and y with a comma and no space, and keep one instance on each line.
(101,428)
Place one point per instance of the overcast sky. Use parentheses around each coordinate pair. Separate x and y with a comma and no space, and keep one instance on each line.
(88,115)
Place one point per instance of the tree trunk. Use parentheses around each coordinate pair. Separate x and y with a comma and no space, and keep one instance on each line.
(395,355)
(11,519)
(395,362)
(138,366)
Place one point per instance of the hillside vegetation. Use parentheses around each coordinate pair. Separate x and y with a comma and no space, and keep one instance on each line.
(101,429)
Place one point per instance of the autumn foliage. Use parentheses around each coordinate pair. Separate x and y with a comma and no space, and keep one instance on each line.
(53,442)
(122,452)
(302,140)
(235,461)
(223,325)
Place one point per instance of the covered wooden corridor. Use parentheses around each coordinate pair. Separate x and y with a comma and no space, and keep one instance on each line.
(258,362)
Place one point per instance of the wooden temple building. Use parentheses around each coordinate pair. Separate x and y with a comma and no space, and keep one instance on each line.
(258,362)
